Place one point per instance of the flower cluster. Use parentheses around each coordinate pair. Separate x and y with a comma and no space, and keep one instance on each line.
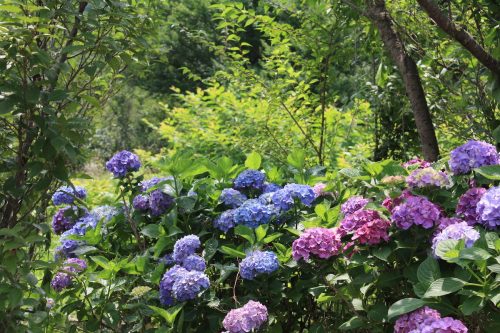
(232,198)
(445,222)
(456,231)
(416,162)
(225,221)
(416,210)
(122,163)
(353,204)
(473,154)
(427,177)
(284,199)
(467,205)
(318,241)
(105,213)
(185,247)
(253,213)
(147,184)
(319,189)
(258,262)
(155,203)
(246,319)
(488,208)
(64,279)
(250,180)
(427,320)
(366,226)
(66,195)
(271,187)
(63,220)
(391,203)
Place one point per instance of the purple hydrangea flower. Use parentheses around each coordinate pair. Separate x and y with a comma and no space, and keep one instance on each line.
(391,203)
(246,319)
(411,321)
(416,210)
(167,283)
(62,220)
(252,214)
(194,263)
(304,193)
(467,204)
(232,198)
(427,320)
(185,247)
(67,248)
(353,204)
(258,262)
(225,221)
(473,154)
(427,177)
(122,163)
(456,231)
(318,241)
(417,162)
(75,265)
(271,187)
(67,194)
(141,202)
(159,202)
(488,208)
(105,212)
(167,259)
(188,285)
(357,219)
(88,221)
(250,180)
(61,281)
(147,184)
(373,232)
(319,189)
(445,222)
(441,325)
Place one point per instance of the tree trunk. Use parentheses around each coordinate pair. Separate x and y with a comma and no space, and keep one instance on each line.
(460,35)
(378,14)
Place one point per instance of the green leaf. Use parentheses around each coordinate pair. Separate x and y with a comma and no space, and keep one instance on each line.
(351,324)
(272,237)
(101,261)
(382,252)
(232,252)
(151,230)
(404,306)
(168,314)
(428,271)
(444,286)
(253,161)
(261,232)
(496,134)
(474,253)
(490,172)
(471,305)
(297,159)
(210,248)
(448,249)
(245,232)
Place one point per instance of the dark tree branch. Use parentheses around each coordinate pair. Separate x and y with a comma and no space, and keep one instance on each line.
(460,35)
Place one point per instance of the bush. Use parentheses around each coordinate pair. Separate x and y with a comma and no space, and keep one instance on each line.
(285,250)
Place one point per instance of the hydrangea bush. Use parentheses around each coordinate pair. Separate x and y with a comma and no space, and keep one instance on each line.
(212,246)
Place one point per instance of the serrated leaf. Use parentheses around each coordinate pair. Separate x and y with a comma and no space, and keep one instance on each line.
(261,232)
(151,230)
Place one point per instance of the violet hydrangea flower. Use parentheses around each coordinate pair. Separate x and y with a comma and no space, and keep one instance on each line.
(353,204)
(167,283)
(258,262)
(248,318)
(411,321)
(358,218)
(319,189)
(250,180)
(447,221)
(159,202)
(141,202)
(188,285)
(232,198)
(467,204)
(304,193)
(185,247)
(427,320)
(194,262)
(67,194)
(147,184)
(122,163)
(473,154)
(488,208)
(75,265)
(456,231)
(417,162)
(321,242)
(225,221)
(61,221)
(441,325)
(61,281)
(427,177)
(416,210)
(373,232)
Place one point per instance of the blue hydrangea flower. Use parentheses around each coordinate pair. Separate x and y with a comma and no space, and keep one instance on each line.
(194,263)
(67,248)
(456,231)
(105,212)
(168,259)
(147,184)
(271,187)
(122,163)
(159,202)
(250,180)
(185,247)
(282,199)
(488,208)
(225,221)
(82,225)
(167,283)
(232,198)
(258,262)
(141,202)
(253,213)
(66,195)
(473,154)
(304,193)
(188,285)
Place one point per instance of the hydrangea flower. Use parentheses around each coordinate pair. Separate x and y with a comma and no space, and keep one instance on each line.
(194,263)
(159,202)
(427,320)
(447,221)
(67,248)
(319,189)
(188,285)
(417,162)
(250,180)
(372,232)
(391,203)
(358,218)
(488,208)
(75,265)
(147,184)
(61,222)
(252,214)
(225,221)
(122,163)
(282,199)
(427,177)
(416,210)
(411,321)
(441,325)
(271,187)
(473,154)
(167,259)
(304,193)
(61,281)
(185,247)
(467,204)
(353,204)
(141,202)
(88,221)
(258,262)
(105,212)
(248,318)
(321,242)
(456,231)
(232,198)
(67,194)
(167,283)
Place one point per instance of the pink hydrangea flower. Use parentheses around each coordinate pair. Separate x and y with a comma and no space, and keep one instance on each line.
(321,242)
